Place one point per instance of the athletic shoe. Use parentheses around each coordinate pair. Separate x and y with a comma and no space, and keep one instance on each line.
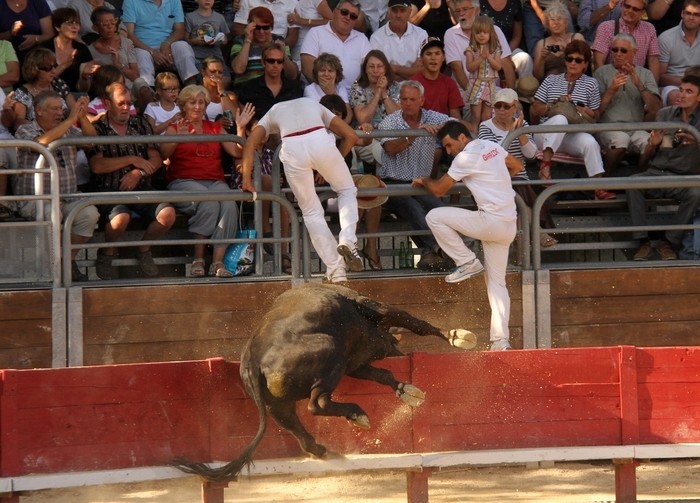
(336,276)
(103,266)
(500,345)
(465,271)
(148,266)
(352,258)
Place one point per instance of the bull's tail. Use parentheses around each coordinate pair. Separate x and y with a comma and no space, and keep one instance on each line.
(230,470)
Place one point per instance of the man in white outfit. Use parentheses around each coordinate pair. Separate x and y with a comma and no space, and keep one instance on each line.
(306,146)
(485,168)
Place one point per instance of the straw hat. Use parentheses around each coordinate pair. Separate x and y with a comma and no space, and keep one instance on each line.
(369,182)
(527,87)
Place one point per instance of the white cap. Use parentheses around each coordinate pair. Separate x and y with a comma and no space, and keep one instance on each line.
(506,95)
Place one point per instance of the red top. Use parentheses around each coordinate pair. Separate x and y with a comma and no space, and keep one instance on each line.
(197,161)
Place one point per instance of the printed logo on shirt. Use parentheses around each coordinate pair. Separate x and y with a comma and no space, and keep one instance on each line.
(490,154)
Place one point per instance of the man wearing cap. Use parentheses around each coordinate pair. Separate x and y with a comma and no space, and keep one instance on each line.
(306,146)
(485,168)
(628,93)
(457,40)
(400,40)
(441,92)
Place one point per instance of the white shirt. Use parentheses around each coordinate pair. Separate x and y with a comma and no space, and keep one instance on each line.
(160,114)
(315,92)
(296,115)
(482,168)
(351,51)
(280,10)
(402,51)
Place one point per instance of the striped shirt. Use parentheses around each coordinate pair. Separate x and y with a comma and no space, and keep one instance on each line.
(489,131)
(584,90)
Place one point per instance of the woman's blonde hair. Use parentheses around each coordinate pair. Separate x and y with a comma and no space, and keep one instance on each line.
(191,92)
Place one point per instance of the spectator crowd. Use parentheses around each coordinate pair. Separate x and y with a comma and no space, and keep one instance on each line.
(142,67)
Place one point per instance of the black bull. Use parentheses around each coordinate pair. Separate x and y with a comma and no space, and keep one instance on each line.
(309,339)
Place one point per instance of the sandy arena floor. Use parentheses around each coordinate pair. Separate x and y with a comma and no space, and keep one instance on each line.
(564,482)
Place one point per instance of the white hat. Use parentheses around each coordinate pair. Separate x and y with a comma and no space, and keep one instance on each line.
(369,182)
(506,95)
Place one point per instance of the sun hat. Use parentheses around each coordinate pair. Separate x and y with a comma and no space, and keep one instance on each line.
(505,95)
(369,182)
(527,87)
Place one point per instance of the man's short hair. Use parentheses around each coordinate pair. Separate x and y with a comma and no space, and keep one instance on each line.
(626,37)
(452,129)
(412,83)
(354,3)
(113,88)
(691,79)
(39,101)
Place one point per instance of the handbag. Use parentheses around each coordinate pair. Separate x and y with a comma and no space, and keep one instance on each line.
(239,258)
(568,110)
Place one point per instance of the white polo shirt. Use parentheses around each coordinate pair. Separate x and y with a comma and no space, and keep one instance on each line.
(295,115)
(350,51)
(403,50)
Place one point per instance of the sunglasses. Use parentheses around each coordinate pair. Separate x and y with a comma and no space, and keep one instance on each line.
(347,13)
(273,61)
(502,106)
(263,27)
(632,7)
(48,68)
(571,59)
(623,50)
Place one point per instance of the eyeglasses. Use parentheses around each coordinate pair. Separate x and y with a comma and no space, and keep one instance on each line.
(502,106)
(623,50)
(263,27)
(170,89)
(273,61)
(464,10)
(53,66)
(691,14)
(571,59)
(347,13)
(71,23)
(632,7)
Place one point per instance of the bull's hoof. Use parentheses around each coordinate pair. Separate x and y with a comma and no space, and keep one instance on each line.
(462,338)
(361,421)
(317,451)
(410,395)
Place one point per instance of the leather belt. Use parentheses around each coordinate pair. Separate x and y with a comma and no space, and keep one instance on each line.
(303,131)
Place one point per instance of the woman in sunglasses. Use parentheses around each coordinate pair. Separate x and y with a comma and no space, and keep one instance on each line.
(576,87)
(39,71)
(246,52)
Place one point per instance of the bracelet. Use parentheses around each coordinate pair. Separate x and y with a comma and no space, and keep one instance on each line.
(308,21)
(223,95)
(248,40)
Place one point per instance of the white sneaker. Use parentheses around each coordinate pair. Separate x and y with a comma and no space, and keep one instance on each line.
(352,258)
(336,276)
(465,271)
(500,345)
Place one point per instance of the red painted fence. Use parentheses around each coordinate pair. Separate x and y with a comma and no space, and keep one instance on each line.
(108,417)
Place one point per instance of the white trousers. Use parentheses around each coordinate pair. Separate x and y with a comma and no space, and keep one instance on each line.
(576,144)
(317,151)
(183,58)
(449,224)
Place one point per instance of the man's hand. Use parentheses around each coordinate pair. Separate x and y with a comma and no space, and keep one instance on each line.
(144,164)
(430,128)
(418,182)
(131,180)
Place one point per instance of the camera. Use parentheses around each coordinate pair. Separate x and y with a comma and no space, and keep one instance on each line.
(677,139)
(553,48)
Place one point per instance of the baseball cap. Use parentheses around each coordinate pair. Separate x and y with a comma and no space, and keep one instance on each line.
(432,42)
(505,95)
(399,3)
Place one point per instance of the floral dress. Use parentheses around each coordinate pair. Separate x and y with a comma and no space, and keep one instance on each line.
(482,83)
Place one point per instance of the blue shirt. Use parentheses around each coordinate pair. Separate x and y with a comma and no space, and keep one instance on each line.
(152,24)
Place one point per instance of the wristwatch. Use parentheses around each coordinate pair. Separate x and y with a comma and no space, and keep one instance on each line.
(143,172)
(223,95)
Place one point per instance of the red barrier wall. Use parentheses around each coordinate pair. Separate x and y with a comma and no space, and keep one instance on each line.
(96,418)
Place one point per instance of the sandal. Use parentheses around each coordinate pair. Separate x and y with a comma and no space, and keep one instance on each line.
(374,263)
(217,269)
(545,170)
(197,269)
(547,241)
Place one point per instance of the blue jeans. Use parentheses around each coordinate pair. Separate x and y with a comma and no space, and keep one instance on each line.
(413,209)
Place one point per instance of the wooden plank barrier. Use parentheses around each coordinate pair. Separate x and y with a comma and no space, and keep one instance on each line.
(124,423)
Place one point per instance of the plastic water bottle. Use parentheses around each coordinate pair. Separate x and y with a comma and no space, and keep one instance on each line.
(409,255)
(402,256)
